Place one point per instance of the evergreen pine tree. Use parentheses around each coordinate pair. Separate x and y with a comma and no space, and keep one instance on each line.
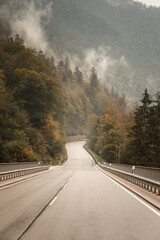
(142,132)
(156,130)
(78,75)
(93,78)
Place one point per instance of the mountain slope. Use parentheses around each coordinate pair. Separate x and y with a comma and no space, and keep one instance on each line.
(79,28)
(139,27)
(127,30)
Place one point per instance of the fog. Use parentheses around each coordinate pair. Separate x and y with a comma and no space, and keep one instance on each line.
(29,21)
(26,20)
(153,3)
(112,73)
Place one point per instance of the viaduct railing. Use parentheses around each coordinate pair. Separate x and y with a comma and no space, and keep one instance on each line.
(5,167)
(148,184)
(146,172)
(21,172)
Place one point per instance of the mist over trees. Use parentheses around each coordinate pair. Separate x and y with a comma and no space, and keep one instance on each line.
(46,96)
(41,103)
(128,30)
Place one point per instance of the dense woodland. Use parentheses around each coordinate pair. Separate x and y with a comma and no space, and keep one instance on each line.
(30,97)
(129,138)
(41,103)
(43,100)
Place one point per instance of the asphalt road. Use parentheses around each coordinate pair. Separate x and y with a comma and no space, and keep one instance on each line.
(89,205)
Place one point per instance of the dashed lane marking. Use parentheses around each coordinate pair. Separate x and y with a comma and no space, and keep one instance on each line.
(53,201)
(65,185)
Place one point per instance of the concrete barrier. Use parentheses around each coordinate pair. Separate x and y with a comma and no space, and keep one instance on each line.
(4,167)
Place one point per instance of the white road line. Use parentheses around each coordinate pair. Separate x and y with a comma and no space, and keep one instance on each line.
(65,185)
(53,201)
(132,194)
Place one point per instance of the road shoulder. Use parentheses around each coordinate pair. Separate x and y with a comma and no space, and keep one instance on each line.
(149,197)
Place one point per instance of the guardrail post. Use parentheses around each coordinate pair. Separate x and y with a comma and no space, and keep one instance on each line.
(133,169)
(141,184)
(157,191)
(150,188)
(146,187)
(153,189)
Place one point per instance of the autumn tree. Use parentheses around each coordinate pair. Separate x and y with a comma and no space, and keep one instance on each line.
(30,91)
(55,141)
(110,135)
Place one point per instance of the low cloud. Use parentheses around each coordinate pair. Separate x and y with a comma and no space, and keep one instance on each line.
(102,61)
(112,73)
(153,3)
(26,20)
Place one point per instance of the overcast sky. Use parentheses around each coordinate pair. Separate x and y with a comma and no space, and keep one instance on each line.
(149,2)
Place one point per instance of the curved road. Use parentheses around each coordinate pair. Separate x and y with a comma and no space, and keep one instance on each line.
(76,202)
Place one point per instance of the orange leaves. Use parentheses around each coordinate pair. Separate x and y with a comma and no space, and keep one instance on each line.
(50,128)
(53,136)
(2,74)
(111,136)
(24,154)
(31,96)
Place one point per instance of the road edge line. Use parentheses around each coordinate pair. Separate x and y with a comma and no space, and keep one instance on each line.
(138,196)
(101,170)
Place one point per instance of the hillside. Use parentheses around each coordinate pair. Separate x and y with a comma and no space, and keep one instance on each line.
(41,103)
(127,32)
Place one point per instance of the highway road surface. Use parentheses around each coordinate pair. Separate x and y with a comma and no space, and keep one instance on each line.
(76,202)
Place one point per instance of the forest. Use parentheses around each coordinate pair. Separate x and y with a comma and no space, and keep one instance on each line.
(42,102)
(129,138)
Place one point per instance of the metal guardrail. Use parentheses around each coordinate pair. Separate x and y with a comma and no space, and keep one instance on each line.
(5,167)
(21,172)
(146,183)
